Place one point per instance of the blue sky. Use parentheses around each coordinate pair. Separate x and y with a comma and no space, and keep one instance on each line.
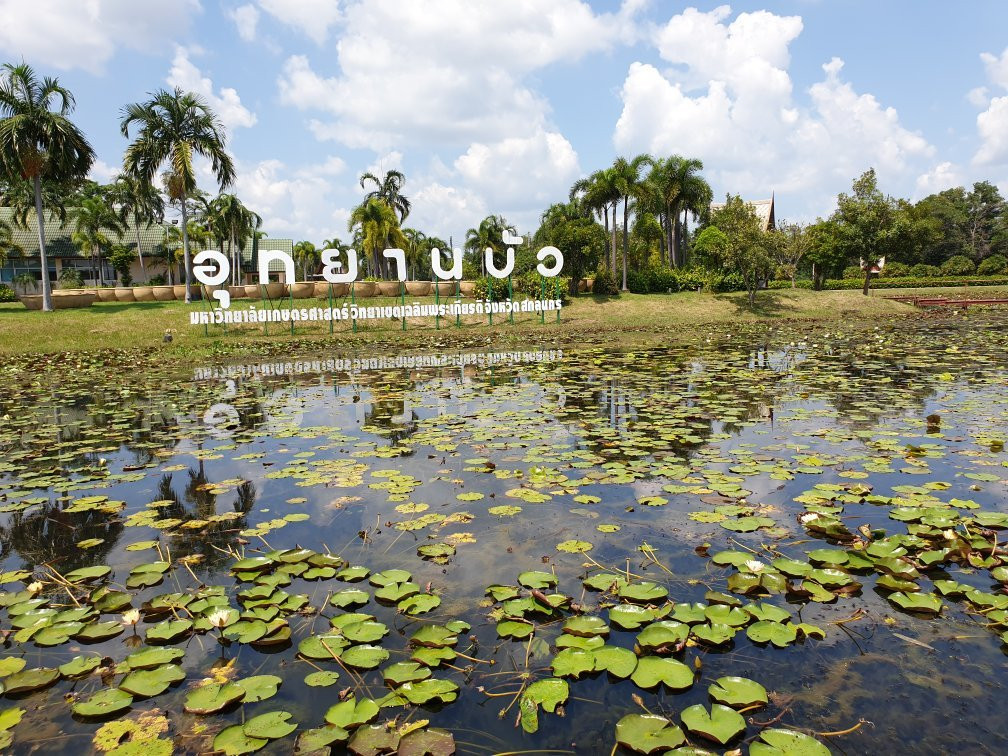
(497,107)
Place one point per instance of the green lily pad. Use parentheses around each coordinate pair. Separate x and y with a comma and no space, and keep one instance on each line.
(403,672)
(352,712)
(514,629)
(319,739)
(573,662)
(548,694)
(648,733)
(738,692)
(425,691)
(585,626)
(421,603)
(212,698)
(662,634)
(29,680)
(924,603)
(79,666)
(270,726)
(721,724)
(434,636)
(652,670)
(232,741)
(104,703)
(644,592)
(772,632)
(781,742)
(259,687)
(168,631)
(321,679)
(152,682)
(618,662)
(364,657)
(574,546)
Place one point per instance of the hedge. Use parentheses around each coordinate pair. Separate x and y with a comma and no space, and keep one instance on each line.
(665,280)
(526,285)
(897,283)
(7,294)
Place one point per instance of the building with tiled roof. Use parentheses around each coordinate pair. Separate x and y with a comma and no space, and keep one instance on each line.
(764,211)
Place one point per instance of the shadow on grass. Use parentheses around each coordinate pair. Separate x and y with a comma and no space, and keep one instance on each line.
(769,303)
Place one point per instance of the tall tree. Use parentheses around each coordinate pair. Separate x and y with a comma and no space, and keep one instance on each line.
(379,229)
(7,243)
(235,223)
(389,190)
(488,235)
(736,239)
(627,180)
(39,143)
(172,126)
(140,202)
(307,255)
(599,193)
(93,217)
(677,186)
(984,207)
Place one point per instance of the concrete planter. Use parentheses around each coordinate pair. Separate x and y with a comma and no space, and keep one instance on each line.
(365,288)
(468,288)
(61,300)
(589,283)
(179,290)
(163,293)
(143,293)
(303,289)
(445,288)
(252,291)
(338,289)
(106,295)
(418,288)
(124,294)
(236,292)
(275,290)
(389,288)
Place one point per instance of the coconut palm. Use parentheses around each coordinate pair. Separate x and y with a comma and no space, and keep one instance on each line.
(626,176)
(7,243)
(140,202)
(39,143)
(379,229)
(676,188)
(389,190)
(234,222)
(489,234)
(308,256)
(172,126)
(598,192)
(94,219)
(416,249)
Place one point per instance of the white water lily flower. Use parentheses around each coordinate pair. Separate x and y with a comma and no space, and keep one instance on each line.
(755,565)
(131,617)
(34,587)
(220,618)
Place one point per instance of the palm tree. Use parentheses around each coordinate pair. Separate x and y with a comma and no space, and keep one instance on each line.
(599,192)
(39,143)
(389,190)
(489,234)
(93,217)
(627,180)
(173,126)
(235,222)
(308,256)
(415,249)
(140,202)
(677,187)
(7,243)
(379,228)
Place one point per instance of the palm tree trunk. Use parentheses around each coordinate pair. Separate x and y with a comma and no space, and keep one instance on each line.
(234,259)
(670,233)
(136,231)
(185,250)
(612,255)
(46,289)
(626,240)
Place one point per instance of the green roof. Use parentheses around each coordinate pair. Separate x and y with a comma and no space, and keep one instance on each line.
(58,235)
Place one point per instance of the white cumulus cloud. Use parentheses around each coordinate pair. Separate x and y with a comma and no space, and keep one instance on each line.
(225,101)
(77,34)
(992,123)
(246,18)
(313,18)
(727,97)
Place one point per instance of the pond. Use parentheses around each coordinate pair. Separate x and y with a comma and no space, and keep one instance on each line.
(784,539)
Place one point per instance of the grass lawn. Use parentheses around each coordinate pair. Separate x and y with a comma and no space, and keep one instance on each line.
(142,325)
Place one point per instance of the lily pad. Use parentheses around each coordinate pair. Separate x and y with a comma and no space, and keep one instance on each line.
(212,698)
(648,733)
(721,724)
(652,670)
(739,692)
(104,703)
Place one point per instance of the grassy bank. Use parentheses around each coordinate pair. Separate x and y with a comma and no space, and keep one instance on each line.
(143,325)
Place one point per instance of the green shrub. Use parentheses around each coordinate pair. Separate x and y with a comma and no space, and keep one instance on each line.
(993,265)
(920,270)
(158,280)
(897,283)
(896,270)
(7,294)
(70,278)
(605,283)
(853,271)
(959,265)
(527,286)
